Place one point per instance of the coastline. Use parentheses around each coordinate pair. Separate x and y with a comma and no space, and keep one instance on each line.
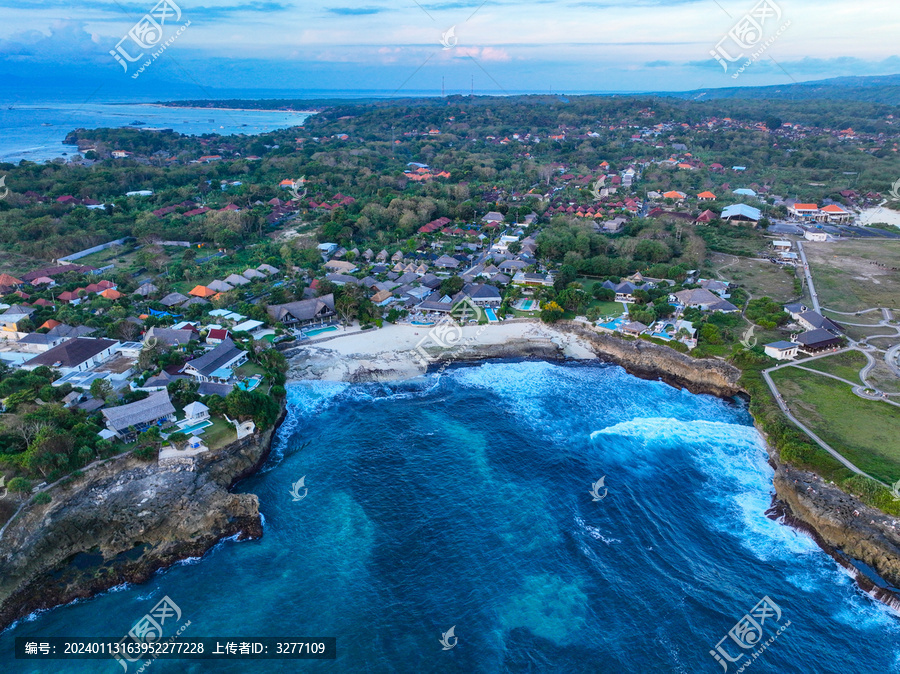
(193,107)
(118,543)
(398,352)
(124,521)
(801,499)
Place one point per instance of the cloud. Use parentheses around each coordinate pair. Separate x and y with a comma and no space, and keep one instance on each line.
(493,54)
(67,40)
(353,11)
(134,9)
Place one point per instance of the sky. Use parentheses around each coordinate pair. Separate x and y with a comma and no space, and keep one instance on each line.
(407,47)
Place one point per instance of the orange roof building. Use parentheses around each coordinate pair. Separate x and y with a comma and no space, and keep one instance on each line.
(202,291)
(706,196)
(49,324)
(111,294)
(7,281)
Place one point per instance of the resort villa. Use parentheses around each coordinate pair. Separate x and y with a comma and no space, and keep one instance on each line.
(126,421)
(304,312)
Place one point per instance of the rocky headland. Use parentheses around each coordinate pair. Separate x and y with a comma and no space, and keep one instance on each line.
(122,521)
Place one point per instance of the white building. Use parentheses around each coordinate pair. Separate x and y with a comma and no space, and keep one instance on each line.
(781,350)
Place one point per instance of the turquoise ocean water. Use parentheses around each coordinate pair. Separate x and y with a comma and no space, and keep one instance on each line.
(466,501)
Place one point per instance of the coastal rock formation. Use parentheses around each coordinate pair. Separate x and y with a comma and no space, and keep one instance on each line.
(843,526)
(653,361)
(121,522)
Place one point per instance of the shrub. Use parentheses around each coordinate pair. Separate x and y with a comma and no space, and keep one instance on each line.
(19,485)
(42,498)
(145,453)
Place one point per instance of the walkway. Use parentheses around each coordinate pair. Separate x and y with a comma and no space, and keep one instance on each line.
(828,448)
(812,289)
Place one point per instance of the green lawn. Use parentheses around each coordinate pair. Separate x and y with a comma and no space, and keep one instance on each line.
(846,365)
(219,434)
(613,309)
(864,431)
(248,369)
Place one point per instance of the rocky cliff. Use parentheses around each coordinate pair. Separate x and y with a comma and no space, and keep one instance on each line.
(652,361)
(121,522)
(843,527)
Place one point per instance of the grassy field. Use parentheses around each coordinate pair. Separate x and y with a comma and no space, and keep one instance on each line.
(870,318)
(846,365)
(761,279)
(846,278)
(883,378)
(864,431)
(16,265)
(858,333)
(883,342)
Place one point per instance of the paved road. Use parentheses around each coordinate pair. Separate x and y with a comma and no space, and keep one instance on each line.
(806,430)
(812,289)
(890,357)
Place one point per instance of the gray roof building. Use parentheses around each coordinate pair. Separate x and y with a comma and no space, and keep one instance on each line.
(140,414)
(304,311)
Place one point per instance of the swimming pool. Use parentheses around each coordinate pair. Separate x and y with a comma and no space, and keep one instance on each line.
(319,331)
(492,317)
(612,325)
(527,305)
(249,384)
(195,428)
(420,323)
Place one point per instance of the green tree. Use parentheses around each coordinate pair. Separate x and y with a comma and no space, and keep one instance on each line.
(101,389)
(19,485)
(566,275)
(710,334)
(452,285)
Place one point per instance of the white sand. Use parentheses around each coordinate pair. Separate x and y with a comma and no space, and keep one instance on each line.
(393,352)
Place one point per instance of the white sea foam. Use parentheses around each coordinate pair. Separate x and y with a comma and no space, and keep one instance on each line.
(313,396)
(739,482)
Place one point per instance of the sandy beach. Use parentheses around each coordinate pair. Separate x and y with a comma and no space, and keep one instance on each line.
(397,352)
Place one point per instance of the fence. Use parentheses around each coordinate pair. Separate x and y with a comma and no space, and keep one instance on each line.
(90,251)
